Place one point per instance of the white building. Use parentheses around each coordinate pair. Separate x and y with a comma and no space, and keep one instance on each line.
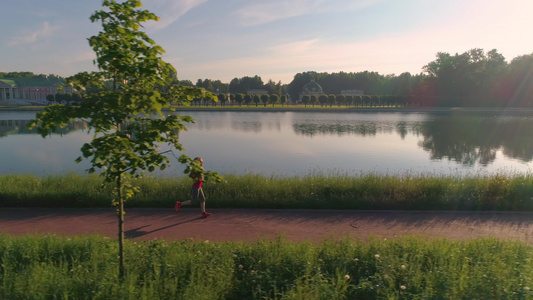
(353,92)
(33,90)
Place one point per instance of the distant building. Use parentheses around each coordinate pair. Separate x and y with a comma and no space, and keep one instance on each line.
(311,88)
(353,92)
(257,92)
(32,90)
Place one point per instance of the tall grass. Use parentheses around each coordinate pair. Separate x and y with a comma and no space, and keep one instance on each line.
(497,192)
(54,267)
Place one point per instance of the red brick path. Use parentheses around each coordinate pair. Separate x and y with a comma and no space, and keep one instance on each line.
(250,225)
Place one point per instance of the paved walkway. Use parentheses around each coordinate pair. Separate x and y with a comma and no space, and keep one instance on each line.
(250,225)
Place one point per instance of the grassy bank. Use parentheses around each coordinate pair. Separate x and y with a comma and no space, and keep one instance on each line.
(511,193)
(405,268)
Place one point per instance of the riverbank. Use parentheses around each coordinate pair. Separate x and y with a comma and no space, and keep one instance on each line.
(364,192)
(302,108)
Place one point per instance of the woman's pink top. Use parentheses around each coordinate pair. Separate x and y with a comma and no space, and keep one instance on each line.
(197,183)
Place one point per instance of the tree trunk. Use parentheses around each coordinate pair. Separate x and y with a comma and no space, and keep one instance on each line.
(120,212)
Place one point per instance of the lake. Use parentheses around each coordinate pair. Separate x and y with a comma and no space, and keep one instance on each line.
(287,144)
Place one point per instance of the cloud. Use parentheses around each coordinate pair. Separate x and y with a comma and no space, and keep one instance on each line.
(261,13)
(492,28)
(169,11)
(84,56)
(266,12)
(46,30)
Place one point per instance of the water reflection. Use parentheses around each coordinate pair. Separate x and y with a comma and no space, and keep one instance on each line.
(290,143)
(469,140)
(247,126)
(339,129)
(9,127)
(464,138)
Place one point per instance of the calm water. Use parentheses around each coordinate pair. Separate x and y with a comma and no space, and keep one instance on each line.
(304,143)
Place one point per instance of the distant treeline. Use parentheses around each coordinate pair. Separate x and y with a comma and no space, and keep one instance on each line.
(472,79)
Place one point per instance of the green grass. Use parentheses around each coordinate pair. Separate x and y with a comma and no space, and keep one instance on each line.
(299,107)
(506,193)
(52,267)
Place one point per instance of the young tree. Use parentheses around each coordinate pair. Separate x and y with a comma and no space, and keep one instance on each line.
(248,99)
(349,100)
(313,100)
(283,100)
(274,99)
(358,100)
(332,99)
(323,99)
(306,99)
(341,99)
(127,122)
(239,98)
(256,99)
(222,98)
(265,98)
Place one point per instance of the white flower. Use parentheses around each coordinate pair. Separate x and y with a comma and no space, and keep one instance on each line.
(402,287)
(356,259)
(376,256)
(347,277)
(526,288)
(402,267)
(240,267)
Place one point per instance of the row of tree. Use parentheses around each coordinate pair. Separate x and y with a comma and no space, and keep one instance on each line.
(266,99)
(473,78)
(311,100)
(14,75)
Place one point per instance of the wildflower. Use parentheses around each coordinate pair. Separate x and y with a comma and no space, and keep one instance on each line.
(526,288)
(206,241)
(356,259)
(402,287)
(376,256)
(347,277)
(240,267)
(402,267)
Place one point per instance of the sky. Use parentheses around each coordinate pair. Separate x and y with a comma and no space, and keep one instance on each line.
(274,39)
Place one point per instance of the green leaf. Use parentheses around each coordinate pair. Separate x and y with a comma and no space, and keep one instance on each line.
(120,99)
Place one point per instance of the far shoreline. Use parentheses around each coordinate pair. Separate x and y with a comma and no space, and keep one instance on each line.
(299,108)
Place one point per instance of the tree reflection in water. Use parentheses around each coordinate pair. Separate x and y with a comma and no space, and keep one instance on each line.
(465,138)
(469,140)
(9,127)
